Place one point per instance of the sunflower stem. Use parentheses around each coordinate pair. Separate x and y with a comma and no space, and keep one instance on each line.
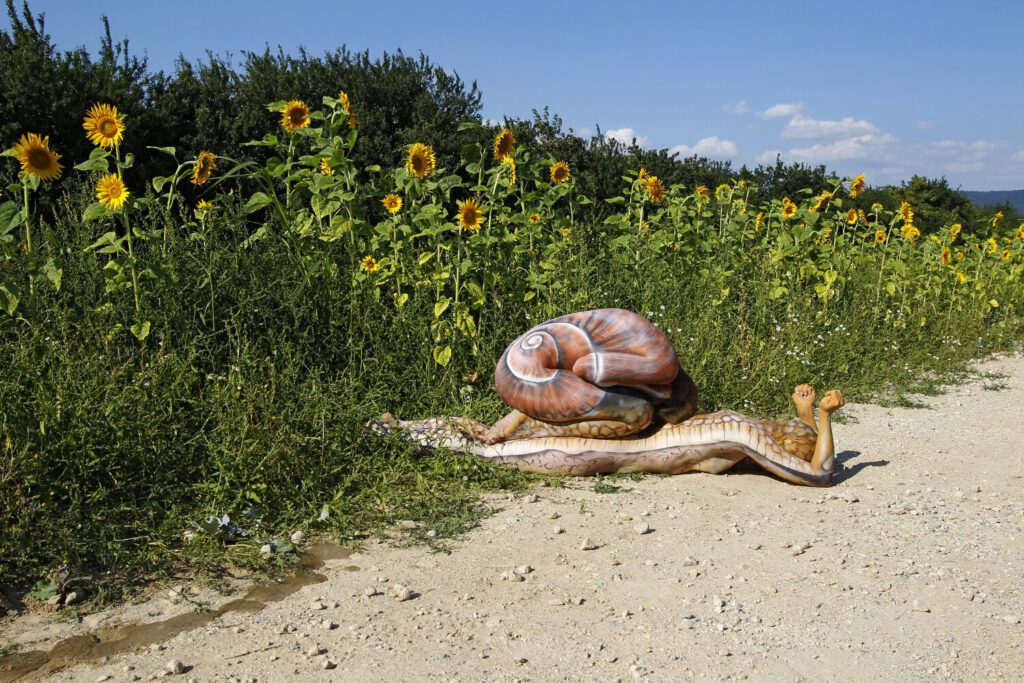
(131,259)
(28,221)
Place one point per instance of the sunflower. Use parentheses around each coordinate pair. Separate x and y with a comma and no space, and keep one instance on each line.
(470,215)
(421,161)
(991,245)
(655,190)
(295,115)
(369,264)
(393,203)
(566,232)
(826,236)
(204,207)
(205,165)
(910,232)
(111,191)
(722,192)
(325,166)
(1006,255)
(852,216)
(740,205)
(823,199)
(946,257)
(1020,232)
(997,219)
(642,175)
(857,186)
(959,255)
(33,152)
(353,121)
(703,192)
(759,221)
(880,236)
(510,161)
(535,218)
(742,185)
(504,145)
(876,208)
(961,277)
(788,209)
(104,126)
(559,172)
(863,216)
(343,98)
(954,232)
(906,213)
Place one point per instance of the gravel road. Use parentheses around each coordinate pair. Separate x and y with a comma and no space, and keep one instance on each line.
(910,568)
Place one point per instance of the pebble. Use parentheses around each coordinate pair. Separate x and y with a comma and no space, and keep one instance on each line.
(432,533)
(642,528)
(512,575)
(266,550)
(918,607)
(315,651)
(556,602)
(402,593)
(524,569)
(690,561)
(1011,619)
(554,515)
(530,498)
(328,625)
(588,544)
(317,605)
(370,592)
(73,598)
(175,666)
(104,677)
(558,530)
(327,664)
(298,537)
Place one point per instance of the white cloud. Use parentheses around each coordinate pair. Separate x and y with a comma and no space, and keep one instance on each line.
(802,127)
(963,166)
(713,147)
(974,151)
(740,107)
(860,147)
(626,136)
(781,110)
(924,125)
(768,157)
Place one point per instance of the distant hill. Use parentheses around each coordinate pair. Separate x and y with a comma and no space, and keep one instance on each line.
(988,198)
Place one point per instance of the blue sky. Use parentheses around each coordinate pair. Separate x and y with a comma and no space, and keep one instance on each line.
(885,88)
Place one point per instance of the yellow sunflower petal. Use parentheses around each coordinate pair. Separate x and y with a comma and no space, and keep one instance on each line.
(111,191)
(104,126)
(36,159)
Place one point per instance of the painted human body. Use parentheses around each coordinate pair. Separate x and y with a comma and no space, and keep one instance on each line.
(602,391)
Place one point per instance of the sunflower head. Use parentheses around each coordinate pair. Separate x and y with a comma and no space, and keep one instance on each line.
(566,232)
(722,192)
(910,232)
(353,121)
(393,203)
(823,199)
(703,192)
(204,207)
(205,165)
(643,174)
(991,245)
(345,104)
(111,191)
(759,221)
(535,218)
(857,186)
(470,216)
(788,209)
(104,126)
(1020,232)
(510,161)
(295,115)
(325,166)
(961,277)
(906,213)
(655,189)
(504,145)
(369,264)
(852,216)
(559,172)
(36,159)
(421,161)
(954,232)
(946,257)
(880,236)
(1006,255)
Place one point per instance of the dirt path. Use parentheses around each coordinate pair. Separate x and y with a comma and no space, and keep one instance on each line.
(910,568)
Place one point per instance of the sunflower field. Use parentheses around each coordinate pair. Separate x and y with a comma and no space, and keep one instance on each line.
(171,355)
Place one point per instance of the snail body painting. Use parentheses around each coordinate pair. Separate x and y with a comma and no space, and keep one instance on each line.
(602,391)
(604,373)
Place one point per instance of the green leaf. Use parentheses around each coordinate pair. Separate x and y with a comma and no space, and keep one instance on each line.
(442,355)
(53,273)
(10,217)
(441,306)
(616,200)
(269,140)
(94,164)
(129,160)
(257,201)
(95,211)
(44,590)
(8,300)
(471,152)
(159,182)
(469,125)
(169,151)
(141,330)
(105,242)
(277,106)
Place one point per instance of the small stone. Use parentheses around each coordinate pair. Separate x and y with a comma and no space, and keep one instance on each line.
(266,550)
(688,615)
(554,515)
(558,530)
(315,651)
(756,546)
(850,497)
(73,598)
(642,528)
(407,524)
(402,593)
(1011,619)
(317,605)
(577,601)
(298,537)
(690,561)
(177,593)
(588,544)
(650,563)
(287,628)
(327,664)
(104,677)
(918,607)
(328,625)
(556,602)
(432,533)
(530,498)
(370,592)
(524,569)
(175,666)
(512,575)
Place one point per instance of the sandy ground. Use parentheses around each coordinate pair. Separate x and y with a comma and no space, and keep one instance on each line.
(910,568)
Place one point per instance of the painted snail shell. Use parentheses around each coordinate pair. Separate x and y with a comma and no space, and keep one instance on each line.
(557,371)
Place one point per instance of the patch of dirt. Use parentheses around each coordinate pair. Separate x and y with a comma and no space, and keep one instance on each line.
(909,568)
